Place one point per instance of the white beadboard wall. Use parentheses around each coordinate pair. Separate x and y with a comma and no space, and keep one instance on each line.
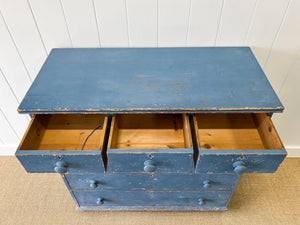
(29,29)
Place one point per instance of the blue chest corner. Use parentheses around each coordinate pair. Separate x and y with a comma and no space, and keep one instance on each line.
(151,129)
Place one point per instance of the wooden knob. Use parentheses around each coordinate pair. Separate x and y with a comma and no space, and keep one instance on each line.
(149,165)
(201,201)
(100,201)
(206,183)
(239,167)
(60,167)
(61,163)
(93,183)
(150,162)
(149,168)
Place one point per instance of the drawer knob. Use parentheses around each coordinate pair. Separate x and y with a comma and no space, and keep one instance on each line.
(201,201)
(149,165)
(100,201)
(93,183)
(60,167)
(239,167)
(206,183)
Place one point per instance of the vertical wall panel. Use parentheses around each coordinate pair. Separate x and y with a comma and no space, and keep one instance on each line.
(112,22)
(265,25)
(29,29)
(8,136)
(22,27)
(11,64)
(142,23)
(9,105)
(204,22)
(288,124)
(235,20)
(285,47)
(81,21)
(173,21)
(51,23)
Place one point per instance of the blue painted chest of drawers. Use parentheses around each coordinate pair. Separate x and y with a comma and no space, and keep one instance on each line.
(151,128)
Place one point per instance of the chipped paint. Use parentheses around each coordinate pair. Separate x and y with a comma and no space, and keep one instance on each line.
(154,110)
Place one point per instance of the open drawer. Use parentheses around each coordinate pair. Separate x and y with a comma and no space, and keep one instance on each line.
(150,143)
(63,143)
(237,142)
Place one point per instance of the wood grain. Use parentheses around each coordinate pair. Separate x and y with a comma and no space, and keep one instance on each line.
(235,131)
(158,131)
(267,131)
(64,132)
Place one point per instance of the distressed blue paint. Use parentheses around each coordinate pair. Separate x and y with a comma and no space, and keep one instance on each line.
(94,183)
(167,182)
(151,80)
(239,167)
(256,161)
(45,161)
(167,160)
(138,200)
(151,208)
(164,80)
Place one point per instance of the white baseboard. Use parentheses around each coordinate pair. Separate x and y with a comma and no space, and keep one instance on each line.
(9,150)
(293,152)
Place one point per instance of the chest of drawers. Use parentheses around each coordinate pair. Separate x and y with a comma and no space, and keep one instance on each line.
(151,129)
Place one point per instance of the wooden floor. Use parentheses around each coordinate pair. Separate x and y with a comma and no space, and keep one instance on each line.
(44,199)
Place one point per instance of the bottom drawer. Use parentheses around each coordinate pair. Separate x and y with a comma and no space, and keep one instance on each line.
(154,182)
(157,200)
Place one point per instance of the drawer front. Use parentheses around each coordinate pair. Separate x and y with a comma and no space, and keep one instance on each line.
(150,143)
(64,143)
(251,161)
(156,160)
(61,161)
(237,143)
(141,200)
(170,182)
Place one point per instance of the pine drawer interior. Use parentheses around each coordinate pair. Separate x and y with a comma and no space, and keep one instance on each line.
(65,132)
(150,131)
(236,131)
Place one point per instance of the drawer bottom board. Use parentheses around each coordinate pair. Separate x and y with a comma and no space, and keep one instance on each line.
(155,200)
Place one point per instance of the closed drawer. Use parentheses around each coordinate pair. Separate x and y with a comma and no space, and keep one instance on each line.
(237,142)
(141,200)
(150,143)
(65,143)
(170,182)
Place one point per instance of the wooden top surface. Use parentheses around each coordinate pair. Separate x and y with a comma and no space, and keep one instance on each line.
(118,80)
